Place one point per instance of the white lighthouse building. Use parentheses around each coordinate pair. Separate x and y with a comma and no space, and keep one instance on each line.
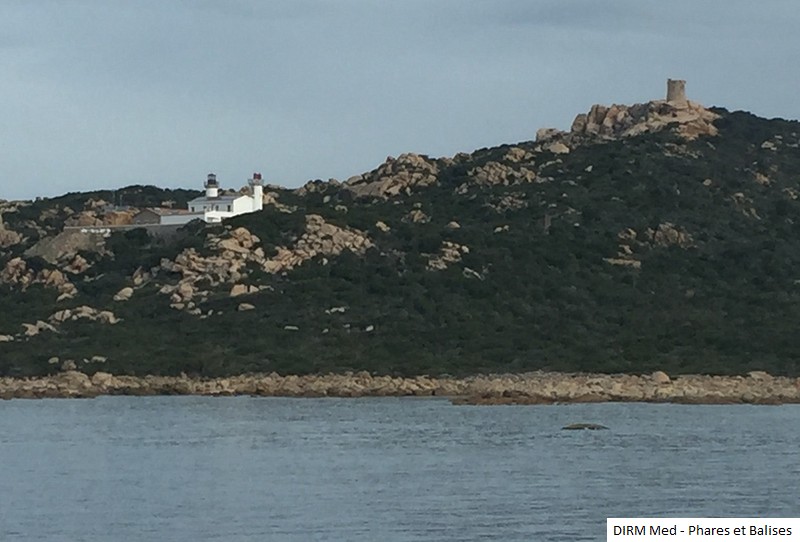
(214,208)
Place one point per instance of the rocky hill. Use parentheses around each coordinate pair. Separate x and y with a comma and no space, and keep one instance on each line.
(662,235)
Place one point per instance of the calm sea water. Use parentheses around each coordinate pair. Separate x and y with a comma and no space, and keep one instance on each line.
(235,469)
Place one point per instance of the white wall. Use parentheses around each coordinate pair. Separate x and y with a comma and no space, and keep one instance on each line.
(218,216)
(180,219)
(217,211)
(242,205)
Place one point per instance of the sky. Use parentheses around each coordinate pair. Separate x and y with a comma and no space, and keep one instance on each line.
(101,94)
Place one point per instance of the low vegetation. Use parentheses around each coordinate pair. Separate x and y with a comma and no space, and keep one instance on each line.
(625,256)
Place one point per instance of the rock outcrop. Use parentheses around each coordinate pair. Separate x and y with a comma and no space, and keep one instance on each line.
(234,251)
(16,273)
(519,155)
(199,273)
(667,234)
(529,388)
(497,173)
(317,186)
(321,238)
(448,254)
(8,238)
(509,202)
(271,199)
(416,216)
(100,213)
(401,175)
(31,330)
(66,245)
(632,244)
(547,388)
(688,119)
(83,312)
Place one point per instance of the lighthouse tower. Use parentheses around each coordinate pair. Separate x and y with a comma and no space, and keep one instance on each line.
(257,191)
(212,188)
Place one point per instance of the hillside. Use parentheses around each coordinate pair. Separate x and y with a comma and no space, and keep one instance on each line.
(656,236)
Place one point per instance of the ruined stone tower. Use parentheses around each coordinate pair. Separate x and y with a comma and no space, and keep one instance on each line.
(676,90)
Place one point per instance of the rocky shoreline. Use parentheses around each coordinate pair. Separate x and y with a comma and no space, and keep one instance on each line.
(756,387)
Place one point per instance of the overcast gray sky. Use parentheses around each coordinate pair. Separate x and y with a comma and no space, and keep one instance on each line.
(106,93)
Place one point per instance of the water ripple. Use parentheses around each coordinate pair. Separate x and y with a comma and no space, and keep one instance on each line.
(236,469)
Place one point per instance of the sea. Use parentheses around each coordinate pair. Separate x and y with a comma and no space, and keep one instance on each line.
(381,469)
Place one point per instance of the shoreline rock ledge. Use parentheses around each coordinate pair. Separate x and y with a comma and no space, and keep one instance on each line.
(756,387)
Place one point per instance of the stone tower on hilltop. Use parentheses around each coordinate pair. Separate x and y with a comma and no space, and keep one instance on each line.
(676,90)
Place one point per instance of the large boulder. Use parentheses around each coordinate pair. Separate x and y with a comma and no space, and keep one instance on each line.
(238,289)
(660,377)
(74,383)
(66,245)
(102,379)
(233,245)
(124,294)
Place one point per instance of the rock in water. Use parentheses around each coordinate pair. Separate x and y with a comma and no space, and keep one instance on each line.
(577,426)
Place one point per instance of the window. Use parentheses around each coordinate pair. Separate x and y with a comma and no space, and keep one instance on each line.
(229,208)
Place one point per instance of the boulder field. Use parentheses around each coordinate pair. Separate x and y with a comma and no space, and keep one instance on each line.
(531,388)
